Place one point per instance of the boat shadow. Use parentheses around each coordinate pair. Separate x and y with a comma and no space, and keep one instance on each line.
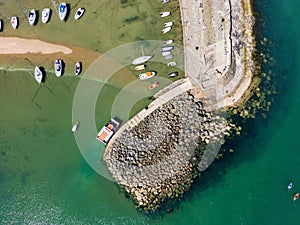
(37,14)
(44,73)
(68,11)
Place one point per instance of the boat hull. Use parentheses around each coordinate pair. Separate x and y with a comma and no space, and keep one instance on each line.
(141,60)
(14,22)
(147,75)
(58,67)
(166,30)
(46,15)
(32,17)
(79,13)
(107,131)
(174,74)
(78,68)
(63,10)
(38,75)
(140,67)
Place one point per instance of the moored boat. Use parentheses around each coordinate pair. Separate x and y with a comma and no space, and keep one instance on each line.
(164,1)
(14,22)
(140,67)
(174,74)
(141,59)
(147,75)
(168,42)
(58,67)
(153,85)
(107,131)
(165,53)
(46,15)
(75,127)
(296,196)
(171,63)
(290,186)
(31,17)
(164,14)
(168,24)
(78,68)
(38,74)
(62,11)
(166,30)
(167,57)
(167,48)
(79,13)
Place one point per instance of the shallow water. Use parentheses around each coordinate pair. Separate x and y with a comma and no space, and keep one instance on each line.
(44,179)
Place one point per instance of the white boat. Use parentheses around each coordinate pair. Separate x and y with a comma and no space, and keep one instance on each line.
(165,53)
(167,57)
(164,14)
(58,67)
(174,74)
(142,59)
(38,74)
(31,17)
(140,67)
(167,48)
(107,131)
(75,127)
(46,15)
(168,42)
(147,75)
(79,13)
(168,24)
(1,25)
(164,1)
(14,22)
(77,69)
(62,11)
(166,30)
(171,63)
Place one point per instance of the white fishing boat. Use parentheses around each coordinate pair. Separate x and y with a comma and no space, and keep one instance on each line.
(174,74)
(164,14)
(168,24)
(31,17)
(147,75)
(166,30)
(168,42)
(46,15)
(140,67)
(168,57)
(78,68)
(38,74)
(58,67)
(167,48)
(142,59)
(165,53)
(1,25)
(62,11)
(171,63)
(75,127)
(14,22)
(79,13)
(107,131)
(164,1)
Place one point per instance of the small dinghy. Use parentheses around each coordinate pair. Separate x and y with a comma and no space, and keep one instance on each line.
(166,30)
(140,67)
(165,53)
(63,10)
(38,75)
(75,127)
(153,85)
(79,13)
(168,57)
(296,196)
(171,63)
(31,17)
(58,67)
(174,74)
(164,14)
(290,186)
(167,48)
(78,68)
(46,15)
(168,24)
(168,42)
(14,22)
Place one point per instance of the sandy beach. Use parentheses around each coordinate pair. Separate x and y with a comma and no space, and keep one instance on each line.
(14,45)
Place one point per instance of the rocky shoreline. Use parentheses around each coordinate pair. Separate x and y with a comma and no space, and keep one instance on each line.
(160,157)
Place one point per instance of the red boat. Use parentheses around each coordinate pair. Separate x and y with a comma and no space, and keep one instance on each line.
(296,196)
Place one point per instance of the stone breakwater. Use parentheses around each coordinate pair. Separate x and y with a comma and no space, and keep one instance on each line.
(159,158)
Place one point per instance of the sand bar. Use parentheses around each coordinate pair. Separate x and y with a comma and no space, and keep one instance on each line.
(14,45)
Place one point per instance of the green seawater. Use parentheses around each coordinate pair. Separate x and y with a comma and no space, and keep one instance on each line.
(45,180)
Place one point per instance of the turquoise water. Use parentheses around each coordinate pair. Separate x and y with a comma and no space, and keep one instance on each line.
(44,179)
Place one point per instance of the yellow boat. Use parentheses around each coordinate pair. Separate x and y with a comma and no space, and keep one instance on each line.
(140,67)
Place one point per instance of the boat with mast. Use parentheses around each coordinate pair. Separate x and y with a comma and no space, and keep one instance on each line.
(142,59)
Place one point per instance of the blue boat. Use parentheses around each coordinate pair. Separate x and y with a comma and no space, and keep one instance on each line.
(62,11)
(290,186)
